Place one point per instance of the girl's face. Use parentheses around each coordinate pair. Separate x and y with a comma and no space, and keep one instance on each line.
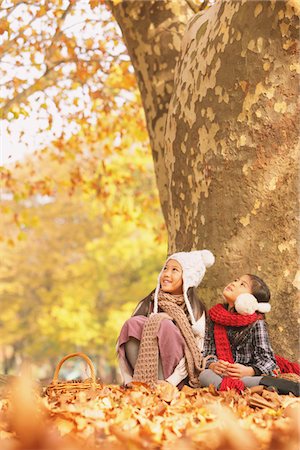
(171,278)
(242,285)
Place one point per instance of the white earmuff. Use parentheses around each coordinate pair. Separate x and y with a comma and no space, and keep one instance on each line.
(247,304)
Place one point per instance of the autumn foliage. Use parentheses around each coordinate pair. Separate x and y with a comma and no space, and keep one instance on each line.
(66,74)
(81,233)
(113,417)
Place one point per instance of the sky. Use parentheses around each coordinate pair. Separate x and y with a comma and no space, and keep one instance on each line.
(20,138)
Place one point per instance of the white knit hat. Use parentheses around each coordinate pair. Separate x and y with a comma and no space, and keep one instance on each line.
(193,266)
(246,304)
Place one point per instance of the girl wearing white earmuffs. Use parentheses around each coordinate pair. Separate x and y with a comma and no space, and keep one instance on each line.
(237,343)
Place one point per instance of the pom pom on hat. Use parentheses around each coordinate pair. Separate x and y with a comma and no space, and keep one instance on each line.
(193,266)
(208,258)
(246,304)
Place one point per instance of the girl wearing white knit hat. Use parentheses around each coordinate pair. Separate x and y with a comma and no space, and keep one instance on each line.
(164,337)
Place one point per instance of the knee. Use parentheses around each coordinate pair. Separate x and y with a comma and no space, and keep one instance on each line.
(131,322)
(208,377)
(167,326)
(125,327)
(204,374)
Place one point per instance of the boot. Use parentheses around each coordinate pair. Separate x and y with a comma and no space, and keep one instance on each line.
(281,385)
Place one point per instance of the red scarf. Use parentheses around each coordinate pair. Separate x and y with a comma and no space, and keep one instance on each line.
(223,318)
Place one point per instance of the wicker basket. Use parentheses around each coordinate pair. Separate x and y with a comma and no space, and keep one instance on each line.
(57,387)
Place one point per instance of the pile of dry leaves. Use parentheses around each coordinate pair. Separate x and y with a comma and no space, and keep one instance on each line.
(134,418)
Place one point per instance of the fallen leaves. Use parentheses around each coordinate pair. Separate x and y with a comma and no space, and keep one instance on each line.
(139,417)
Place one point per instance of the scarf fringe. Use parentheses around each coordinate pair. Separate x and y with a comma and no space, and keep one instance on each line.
(232,383)
(286,366)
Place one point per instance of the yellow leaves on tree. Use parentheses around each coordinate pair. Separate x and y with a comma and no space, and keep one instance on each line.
(98,161)
(4,26)
(63,41)
(94,3)
(121,78)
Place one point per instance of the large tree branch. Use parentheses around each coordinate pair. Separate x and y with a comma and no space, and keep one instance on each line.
(152,33)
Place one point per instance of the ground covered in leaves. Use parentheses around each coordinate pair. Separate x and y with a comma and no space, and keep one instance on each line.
(138,417)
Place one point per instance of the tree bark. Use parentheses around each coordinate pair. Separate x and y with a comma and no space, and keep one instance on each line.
(230,147)
(152,31)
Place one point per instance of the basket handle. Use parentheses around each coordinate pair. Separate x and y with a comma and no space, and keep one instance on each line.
(72,355)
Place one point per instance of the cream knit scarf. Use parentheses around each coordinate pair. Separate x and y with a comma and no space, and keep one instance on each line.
(146,368)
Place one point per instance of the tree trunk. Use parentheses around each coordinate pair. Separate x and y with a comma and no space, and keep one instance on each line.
(231,148)
(152,31)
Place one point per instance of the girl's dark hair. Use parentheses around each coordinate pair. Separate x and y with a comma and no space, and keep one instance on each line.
(143,306)
(259,289)
(197,305)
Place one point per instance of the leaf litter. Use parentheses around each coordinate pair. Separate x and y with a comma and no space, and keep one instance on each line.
(139,417)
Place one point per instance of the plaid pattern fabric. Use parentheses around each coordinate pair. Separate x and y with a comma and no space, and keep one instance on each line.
(254,350)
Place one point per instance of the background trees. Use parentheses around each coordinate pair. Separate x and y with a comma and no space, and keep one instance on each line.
(82,233)
(81,255)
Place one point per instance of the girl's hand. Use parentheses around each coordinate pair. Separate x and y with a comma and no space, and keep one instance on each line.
(237,370)
(219,367)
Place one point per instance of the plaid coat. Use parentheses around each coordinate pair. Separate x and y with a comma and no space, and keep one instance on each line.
(250,346)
